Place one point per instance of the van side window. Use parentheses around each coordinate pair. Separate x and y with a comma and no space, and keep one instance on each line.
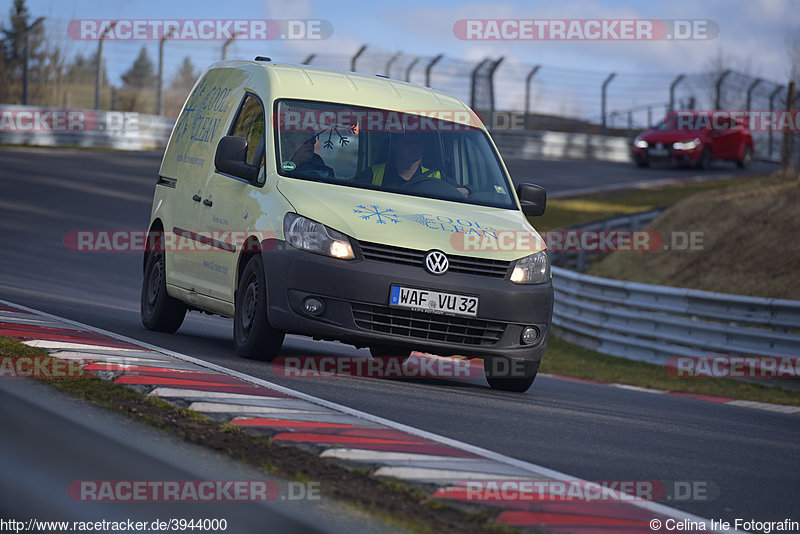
(250,125)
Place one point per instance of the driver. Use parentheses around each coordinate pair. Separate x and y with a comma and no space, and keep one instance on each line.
(404,166)
(307,162)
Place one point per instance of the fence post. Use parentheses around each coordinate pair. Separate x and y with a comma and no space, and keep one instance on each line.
(603,100)
(787,165)
(478,67)
(672,87)
(26,59)
(771,109)
(356,56)
(649,117)
(630,124)
(429,68)
(750,91)
(389,64)
(492,70)
(718,98)
(531,74)
(411,66)
(98,85)
(160,89)
(227,44)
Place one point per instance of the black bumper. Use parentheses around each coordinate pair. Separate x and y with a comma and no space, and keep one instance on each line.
(356,297)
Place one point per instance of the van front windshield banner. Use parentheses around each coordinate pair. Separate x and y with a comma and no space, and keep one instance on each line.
(442,154)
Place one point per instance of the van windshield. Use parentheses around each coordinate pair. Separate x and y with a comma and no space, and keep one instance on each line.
(419,154)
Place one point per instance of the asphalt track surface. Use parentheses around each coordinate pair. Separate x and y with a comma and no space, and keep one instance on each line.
(747,458)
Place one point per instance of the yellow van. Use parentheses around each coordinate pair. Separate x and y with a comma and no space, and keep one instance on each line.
(346,207)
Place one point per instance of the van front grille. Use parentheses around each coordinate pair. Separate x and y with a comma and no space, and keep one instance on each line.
(422,325)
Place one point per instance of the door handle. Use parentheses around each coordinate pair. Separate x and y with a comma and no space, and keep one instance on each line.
(207,202)
(196,198)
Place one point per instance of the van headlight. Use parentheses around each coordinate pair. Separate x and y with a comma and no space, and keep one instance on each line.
(533,269)
(687,145)
(312,236)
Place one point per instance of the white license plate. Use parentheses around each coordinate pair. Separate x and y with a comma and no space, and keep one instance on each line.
(433,301)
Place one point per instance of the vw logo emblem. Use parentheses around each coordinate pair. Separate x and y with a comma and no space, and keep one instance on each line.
(659,146)
(436,262)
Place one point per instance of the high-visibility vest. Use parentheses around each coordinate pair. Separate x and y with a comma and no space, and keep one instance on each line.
(379,169)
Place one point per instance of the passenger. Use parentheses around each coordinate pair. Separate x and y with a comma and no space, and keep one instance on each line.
(307,162)
(404,165)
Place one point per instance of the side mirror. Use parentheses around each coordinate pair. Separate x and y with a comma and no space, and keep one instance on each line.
(230,158)
(532,198)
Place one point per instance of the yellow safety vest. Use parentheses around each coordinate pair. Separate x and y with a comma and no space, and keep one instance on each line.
(379,169)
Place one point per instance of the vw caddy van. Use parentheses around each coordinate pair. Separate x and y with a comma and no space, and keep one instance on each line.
(378,213)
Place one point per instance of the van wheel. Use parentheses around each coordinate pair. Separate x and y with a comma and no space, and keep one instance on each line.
(388,352)
(253,337)
(747,158)
(159,311)
(507,375)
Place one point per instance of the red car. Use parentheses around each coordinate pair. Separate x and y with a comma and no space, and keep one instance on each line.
(695,138)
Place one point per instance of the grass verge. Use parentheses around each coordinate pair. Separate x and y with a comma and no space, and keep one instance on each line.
(566,212)
(566,359)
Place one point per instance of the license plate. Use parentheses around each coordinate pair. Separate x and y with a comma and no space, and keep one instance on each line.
(433,301)
(657,152)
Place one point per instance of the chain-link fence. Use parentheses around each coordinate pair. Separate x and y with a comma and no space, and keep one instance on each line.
(508,93)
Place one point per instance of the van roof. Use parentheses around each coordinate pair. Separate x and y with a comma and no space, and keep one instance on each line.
(305,82)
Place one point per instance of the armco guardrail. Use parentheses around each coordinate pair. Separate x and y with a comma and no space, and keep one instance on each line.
(535,144)
(651,323)
(39,126)
(580,259)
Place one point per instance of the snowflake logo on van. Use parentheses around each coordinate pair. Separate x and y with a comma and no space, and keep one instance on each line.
(375,213)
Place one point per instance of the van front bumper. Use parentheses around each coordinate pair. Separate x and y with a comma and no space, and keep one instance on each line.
(355,294)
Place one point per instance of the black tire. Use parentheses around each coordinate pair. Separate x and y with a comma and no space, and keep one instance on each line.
(506,376)
(158,310)
(747,158)
(253,337)
(388,352)
(705,159)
